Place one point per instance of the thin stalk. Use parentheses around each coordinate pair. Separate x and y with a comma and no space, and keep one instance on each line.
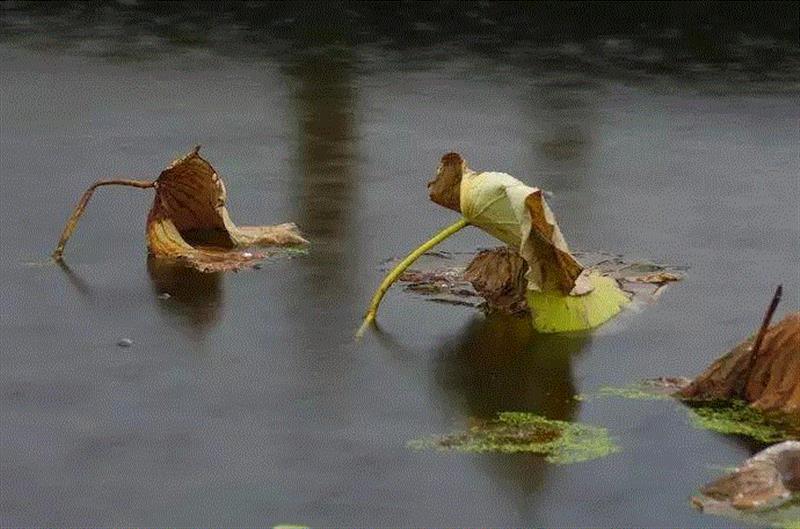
(762,331)
(776,298)
(401,267)
(72,222)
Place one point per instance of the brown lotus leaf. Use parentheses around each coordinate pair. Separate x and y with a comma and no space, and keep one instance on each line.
(189,222)
(768,378)
(495,278)
(766,480)
(498,275)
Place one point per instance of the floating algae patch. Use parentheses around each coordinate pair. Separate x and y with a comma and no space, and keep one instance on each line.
(513,432)
(737,418)
(632,392)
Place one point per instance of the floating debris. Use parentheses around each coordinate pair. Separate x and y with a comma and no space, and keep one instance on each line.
(516,432)
(765,489)
(640,391)
(125,342)
(447,280)
(763,371)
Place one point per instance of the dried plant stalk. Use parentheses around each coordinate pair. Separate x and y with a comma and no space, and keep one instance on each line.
(72,222)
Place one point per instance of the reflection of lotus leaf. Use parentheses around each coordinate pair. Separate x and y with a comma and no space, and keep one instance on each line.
(513,432)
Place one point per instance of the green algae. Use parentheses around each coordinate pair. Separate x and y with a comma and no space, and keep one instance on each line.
(737,418)
(631,392)
(517,432)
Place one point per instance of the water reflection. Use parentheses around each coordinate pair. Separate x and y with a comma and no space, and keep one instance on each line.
(194,298)
(499,363)
(326,154)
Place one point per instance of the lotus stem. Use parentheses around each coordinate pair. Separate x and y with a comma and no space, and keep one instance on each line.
(72,222)
(401,267)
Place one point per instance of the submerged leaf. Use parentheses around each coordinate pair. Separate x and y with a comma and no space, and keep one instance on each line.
(737,418)
(764,490)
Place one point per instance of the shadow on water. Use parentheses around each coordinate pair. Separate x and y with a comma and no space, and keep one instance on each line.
(499,363)
(75,280)
(195,298)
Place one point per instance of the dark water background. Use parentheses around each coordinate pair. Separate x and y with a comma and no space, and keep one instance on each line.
(665,131)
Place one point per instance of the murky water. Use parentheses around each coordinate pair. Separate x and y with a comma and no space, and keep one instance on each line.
(244,399)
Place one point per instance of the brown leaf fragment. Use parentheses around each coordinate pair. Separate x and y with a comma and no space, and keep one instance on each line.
(498,275)
(766,480)
(769,381)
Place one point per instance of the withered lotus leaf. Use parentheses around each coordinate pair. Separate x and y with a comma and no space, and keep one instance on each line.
(767,378)
(189,222)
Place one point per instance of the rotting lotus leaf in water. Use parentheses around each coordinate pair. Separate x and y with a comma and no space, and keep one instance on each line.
(516,432)
(764,490)
(562,295)
(766,376)
(189,222)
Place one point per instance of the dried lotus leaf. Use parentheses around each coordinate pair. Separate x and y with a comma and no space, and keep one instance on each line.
(189,222)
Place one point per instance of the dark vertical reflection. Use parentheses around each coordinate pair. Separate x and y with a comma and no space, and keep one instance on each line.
(321,66)
(564,119)
(195,298)
(501,364)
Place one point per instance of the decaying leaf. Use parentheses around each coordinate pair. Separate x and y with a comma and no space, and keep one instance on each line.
(498,275)
(189,222)
(768,379)
(561,294)
(657,278)
(760,490)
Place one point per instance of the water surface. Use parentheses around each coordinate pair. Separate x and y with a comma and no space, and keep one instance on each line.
(244,400)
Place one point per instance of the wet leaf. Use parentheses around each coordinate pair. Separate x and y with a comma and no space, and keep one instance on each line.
(764,490)
(737,418)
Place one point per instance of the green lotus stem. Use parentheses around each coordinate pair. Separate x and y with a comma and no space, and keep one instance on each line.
(401,267)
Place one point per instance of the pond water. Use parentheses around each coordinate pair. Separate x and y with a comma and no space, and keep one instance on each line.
(244,399)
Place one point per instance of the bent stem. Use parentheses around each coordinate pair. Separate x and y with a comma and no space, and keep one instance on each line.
(72,222)
(401,267)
